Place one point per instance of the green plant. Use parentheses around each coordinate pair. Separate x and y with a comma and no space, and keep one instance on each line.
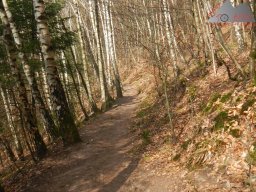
(141,113)
(192,93)
(226,97)
(251,157)
(182,81)
(145,135)
(247,104)
(212,100)
(220,120)
(176,157)
(235,133)
(201,64)
(185,144)
(253,54)
(145,108)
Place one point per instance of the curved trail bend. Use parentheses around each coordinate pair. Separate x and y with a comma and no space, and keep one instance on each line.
(102,165)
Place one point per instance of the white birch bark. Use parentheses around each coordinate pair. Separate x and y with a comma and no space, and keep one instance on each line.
(68,129)
(110,47)
(239,36)
(29,118)
(11,125)
(169,35)
(47,119)
(105,97)
(105,26)
(84,58)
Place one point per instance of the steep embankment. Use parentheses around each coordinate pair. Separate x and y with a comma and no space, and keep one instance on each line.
(214,119)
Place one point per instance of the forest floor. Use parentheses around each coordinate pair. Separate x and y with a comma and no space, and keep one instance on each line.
(126,149)
(104,162)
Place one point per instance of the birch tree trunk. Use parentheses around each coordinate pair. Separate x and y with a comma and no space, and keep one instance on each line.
(11,125)
(76,89)
(238,30)
(208,34)
(84,61)
(227,50)
(105,97)
(239,36)
(46,89)
(8,150)
(29,118)
(112,48)
(47,119)
(105,22)
(67,127)
(92,16)
(169,34)
(253,48)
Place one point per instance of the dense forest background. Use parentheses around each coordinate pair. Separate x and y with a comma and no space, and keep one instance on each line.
(64,62)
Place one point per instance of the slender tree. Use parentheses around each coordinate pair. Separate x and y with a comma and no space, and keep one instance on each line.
(47,119)
(67,126)
(28,116)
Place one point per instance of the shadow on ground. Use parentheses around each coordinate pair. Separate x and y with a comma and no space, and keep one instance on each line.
(101,163)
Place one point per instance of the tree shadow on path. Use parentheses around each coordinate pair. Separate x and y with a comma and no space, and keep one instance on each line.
(121,178)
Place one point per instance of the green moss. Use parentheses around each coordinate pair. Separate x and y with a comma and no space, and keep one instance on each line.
(145,135)
(144,109)
(220,120)
(185,144)
(247,104)
(215,97)
(238,99)
(192,93)
(235,133)
(220,143)
(182,80)
(144,104)
(226,97)
(253,54)
(254,80)
(176,157)
(201,64)
(203,106)
(141,114)
(251,157)
(212,100)
(207,108)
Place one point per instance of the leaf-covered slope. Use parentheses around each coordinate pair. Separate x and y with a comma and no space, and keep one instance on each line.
(214,119)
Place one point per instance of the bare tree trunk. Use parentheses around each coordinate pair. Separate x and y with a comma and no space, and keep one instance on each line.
(113,58)
(227,50)
(12,127)
(47,119)
(8,150)
(170,36)
(67,126)
(29,118)
(76,89)
(84,61)
(105,97)
(253,48)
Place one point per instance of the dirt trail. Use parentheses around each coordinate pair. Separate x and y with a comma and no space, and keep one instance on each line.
(101,165)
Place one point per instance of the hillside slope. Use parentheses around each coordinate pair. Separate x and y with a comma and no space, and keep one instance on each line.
(214,119)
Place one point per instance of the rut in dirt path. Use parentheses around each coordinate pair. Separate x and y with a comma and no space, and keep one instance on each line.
(102,165)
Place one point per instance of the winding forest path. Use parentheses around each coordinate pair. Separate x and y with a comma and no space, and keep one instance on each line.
(103,164)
